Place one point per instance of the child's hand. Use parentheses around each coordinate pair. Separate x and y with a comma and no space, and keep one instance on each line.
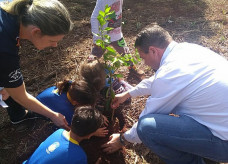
(101,132)
(105,120)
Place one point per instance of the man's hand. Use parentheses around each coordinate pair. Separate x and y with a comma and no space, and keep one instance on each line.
(113,144)
(119,98)
(60,121)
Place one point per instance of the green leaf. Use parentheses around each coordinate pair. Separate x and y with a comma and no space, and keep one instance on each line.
(108,57)
(108,28)
(121,61)
(115,60)
(101,20)
(110,13)
(97,35)
(111,54)
(102,13)
(134,61)
(111,49)
(99,44)
(107,9)
(107,36)
(118,75)
(99,41)
(117,64)
(107,41)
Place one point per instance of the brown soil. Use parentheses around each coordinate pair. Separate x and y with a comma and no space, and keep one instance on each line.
(204,22)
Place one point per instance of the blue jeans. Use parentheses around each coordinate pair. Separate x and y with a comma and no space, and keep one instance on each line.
(180,140)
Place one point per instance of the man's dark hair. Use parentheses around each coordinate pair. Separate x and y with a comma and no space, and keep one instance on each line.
(152,36)
(86,120)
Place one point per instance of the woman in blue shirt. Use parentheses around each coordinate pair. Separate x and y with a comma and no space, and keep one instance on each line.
(30,20)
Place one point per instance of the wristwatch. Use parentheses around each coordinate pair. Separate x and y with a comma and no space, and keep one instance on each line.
(123,141)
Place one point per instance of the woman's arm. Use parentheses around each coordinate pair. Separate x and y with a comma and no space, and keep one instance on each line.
(21,96)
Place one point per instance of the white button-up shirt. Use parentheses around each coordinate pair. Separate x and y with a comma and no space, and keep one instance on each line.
(191,80)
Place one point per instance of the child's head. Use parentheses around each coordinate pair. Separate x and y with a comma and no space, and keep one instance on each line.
(86,120)
(80,92)
(94,74)
(85,91)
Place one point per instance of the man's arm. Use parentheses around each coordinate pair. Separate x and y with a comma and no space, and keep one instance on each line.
(21,96)
(143,88)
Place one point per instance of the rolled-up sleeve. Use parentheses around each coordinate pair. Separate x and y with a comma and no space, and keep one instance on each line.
(131,135)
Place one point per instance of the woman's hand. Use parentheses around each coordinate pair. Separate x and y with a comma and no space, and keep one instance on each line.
(60,120)
(21,96)
(4,94)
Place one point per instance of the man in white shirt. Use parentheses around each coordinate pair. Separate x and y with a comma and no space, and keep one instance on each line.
(191,82)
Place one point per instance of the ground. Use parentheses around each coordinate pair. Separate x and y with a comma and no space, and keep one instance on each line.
(204,22)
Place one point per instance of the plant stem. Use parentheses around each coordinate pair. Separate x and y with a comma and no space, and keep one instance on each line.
(111,90)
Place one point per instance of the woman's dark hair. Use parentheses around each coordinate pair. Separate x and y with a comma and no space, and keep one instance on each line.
(152,36)
(79,91)
(50,16)
(86,120)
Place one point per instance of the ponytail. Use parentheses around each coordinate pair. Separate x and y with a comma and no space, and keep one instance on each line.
(17,7)
(64,86)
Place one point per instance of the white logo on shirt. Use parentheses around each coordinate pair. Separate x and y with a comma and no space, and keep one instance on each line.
(15,75)
(52,147)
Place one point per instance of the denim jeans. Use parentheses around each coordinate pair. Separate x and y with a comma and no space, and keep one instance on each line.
(180,140)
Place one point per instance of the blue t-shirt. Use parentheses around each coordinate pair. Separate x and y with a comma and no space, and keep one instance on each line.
(56,102)
(57,149)
(10,73)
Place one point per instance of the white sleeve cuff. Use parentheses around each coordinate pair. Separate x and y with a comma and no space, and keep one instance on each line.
(131,135)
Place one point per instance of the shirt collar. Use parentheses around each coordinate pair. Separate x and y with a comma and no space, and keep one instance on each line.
(69,138)
(168,50)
